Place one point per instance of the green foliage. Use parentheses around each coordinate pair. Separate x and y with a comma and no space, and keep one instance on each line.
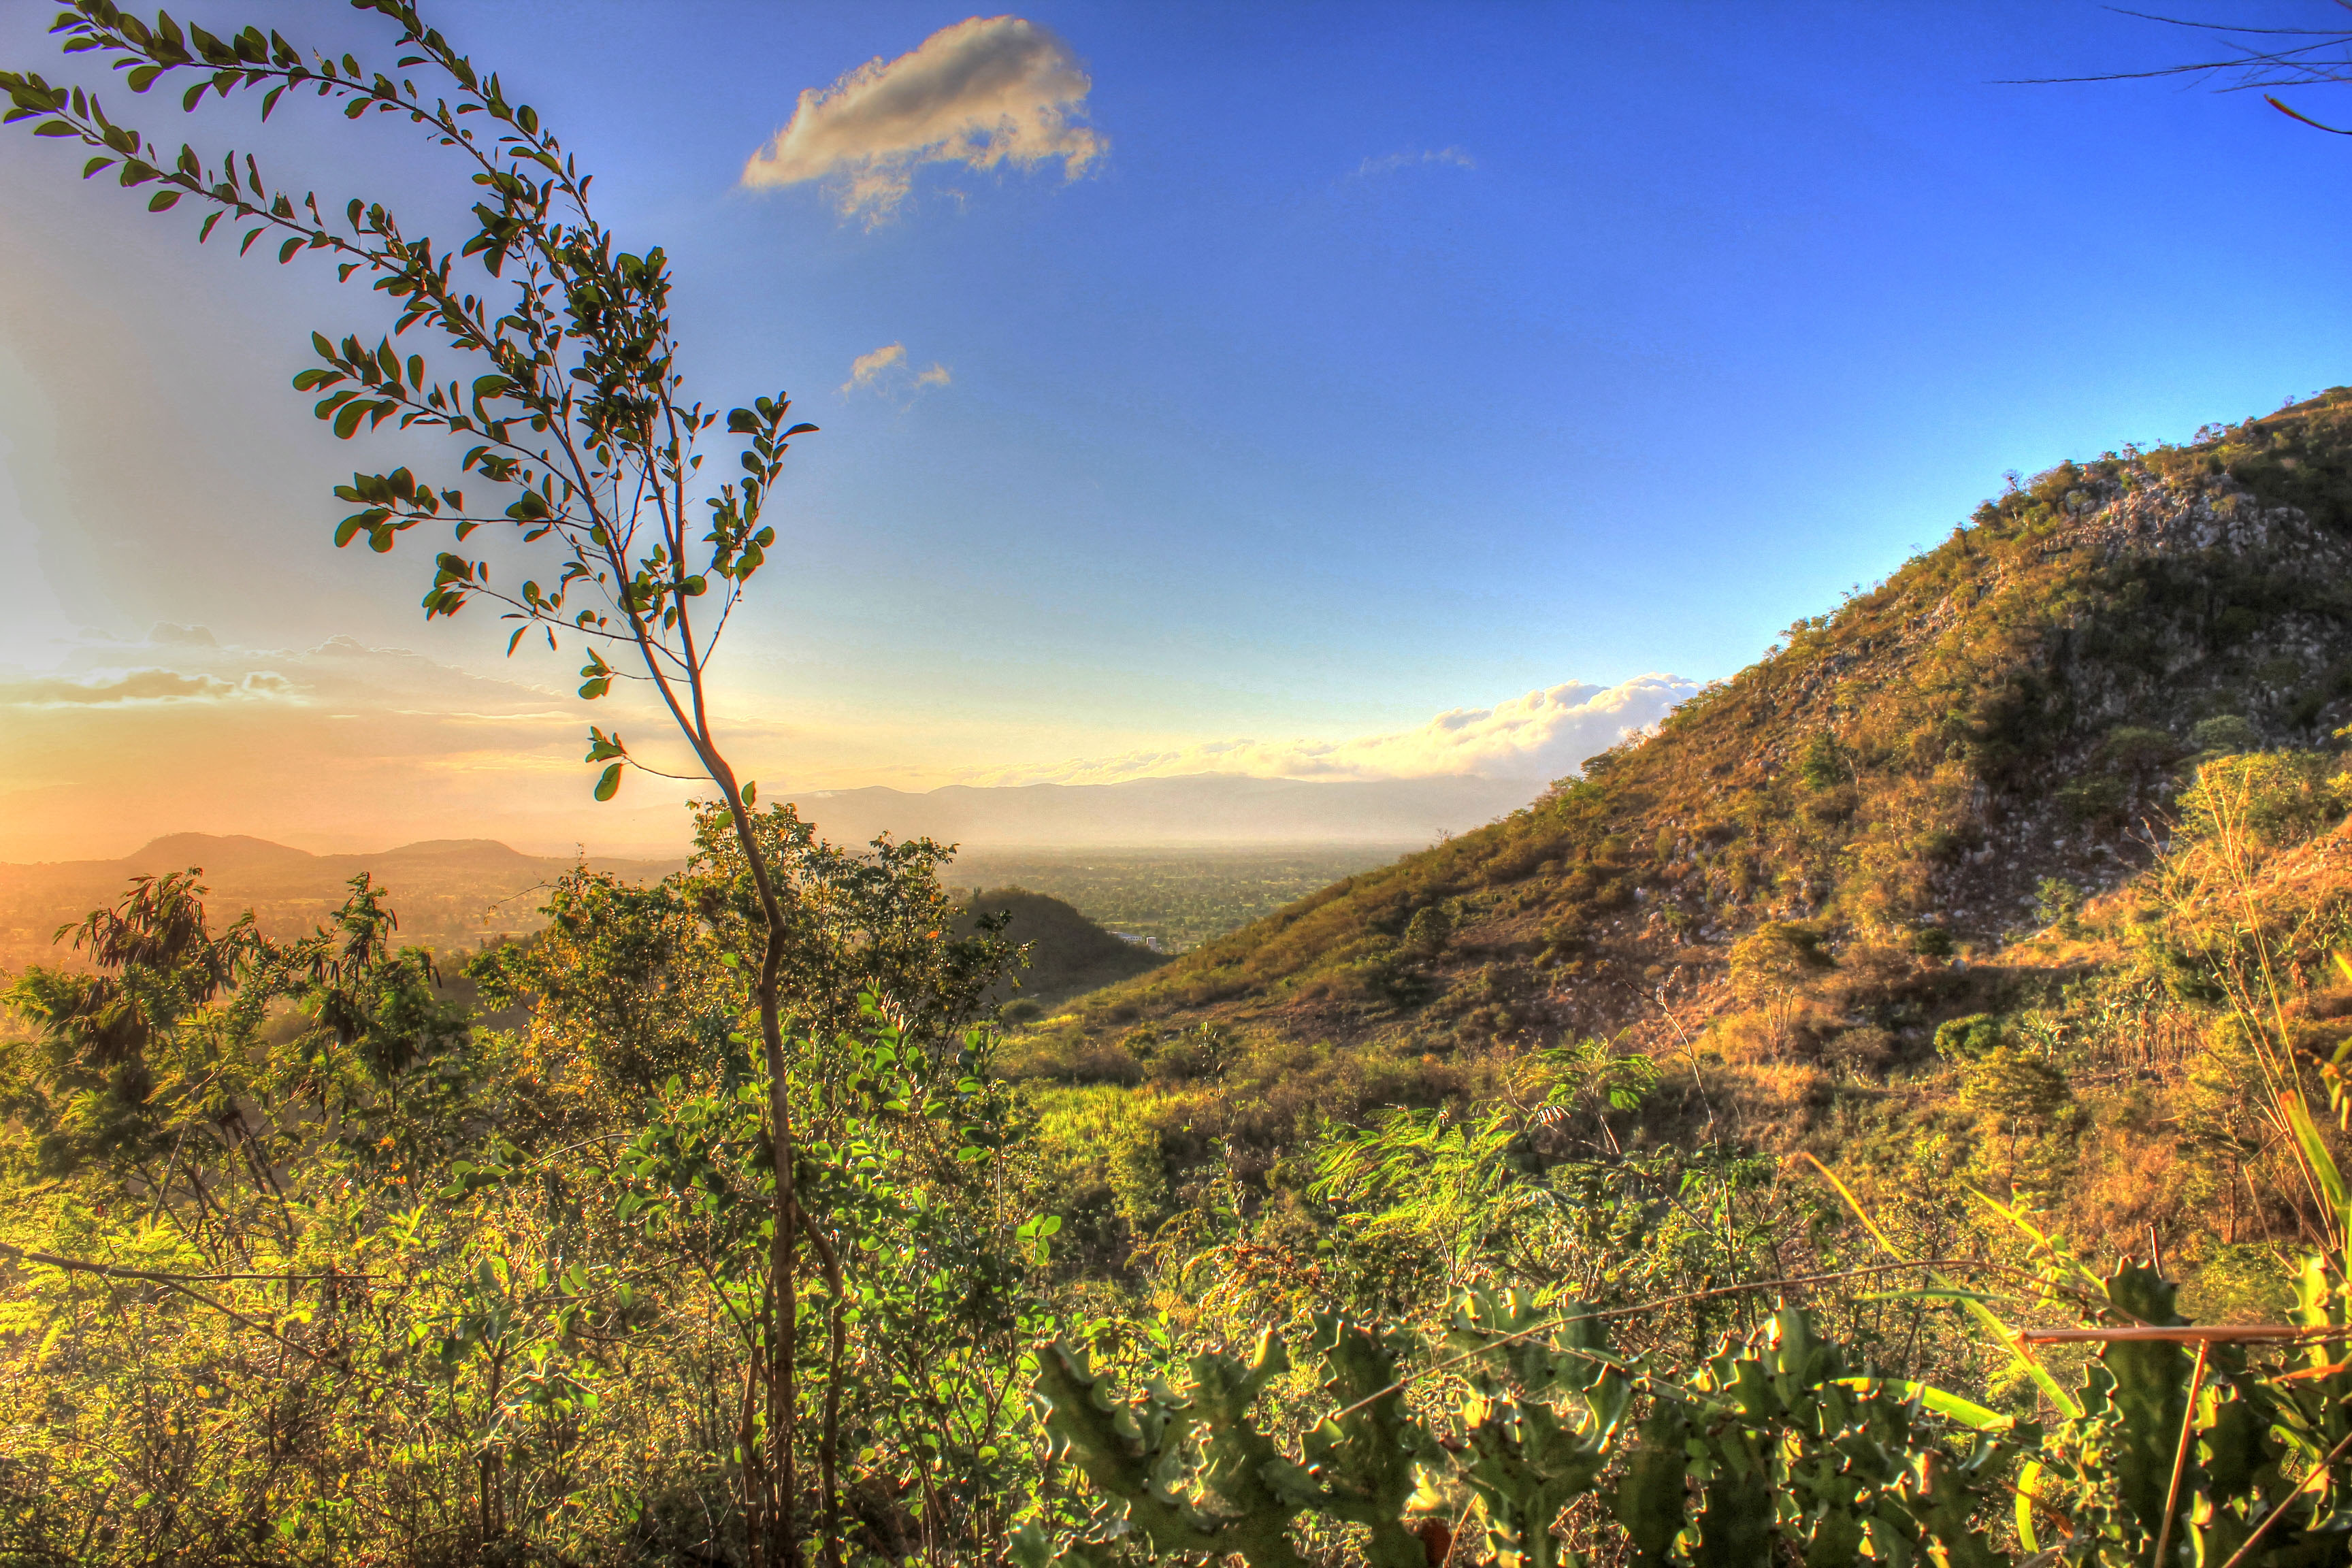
(2266,799)
(2225,735)
(558,386)
(1774,1444)
(1425,933)
(539,1278)
(1231,1491)
(2249,1447)
(2014,1087)
(1823,764)
(1779,954)
(1932,942)
(2058,903)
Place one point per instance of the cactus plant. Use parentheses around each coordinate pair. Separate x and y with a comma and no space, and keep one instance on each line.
(1773,1449)
(1540,1421)
(1783,1444)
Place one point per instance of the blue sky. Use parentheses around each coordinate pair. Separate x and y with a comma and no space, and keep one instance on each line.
(1391,360)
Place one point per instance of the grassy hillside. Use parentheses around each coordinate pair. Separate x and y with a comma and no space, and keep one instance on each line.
(1955,816)
(1906,770)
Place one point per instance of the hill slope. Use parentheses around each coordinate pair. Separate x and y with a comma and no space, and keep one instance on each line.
(1907,772)
(1068,953)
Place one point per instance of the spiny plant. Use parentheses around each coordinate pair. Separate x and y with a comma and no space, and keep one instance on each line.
(558,383)
(1778,1445)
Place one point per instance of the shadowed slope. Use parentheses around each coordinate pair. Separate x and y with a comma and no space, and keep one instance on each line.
(1068,953)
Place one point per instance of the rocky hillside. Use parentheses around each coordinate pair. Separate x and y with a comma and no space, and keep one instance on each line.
(1938,765)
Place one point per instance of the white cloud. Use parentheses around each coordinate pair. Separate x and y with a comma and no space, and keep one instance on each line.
(985,92)
(1395,160)
(1539,737)
(886,371)
(867,368)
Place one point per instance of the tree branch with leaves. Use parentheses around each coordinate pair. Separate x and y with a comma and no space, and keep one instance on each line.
(550,361)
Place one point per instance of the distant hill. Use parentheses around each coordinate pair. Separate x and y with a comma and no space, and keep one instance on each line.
(448,892)
(1069,955)
(1198,809)
(2012,706)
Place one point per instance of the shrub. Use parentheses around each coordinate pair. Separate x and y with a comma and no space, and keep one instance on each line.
(1932,942)
(2137,750)
(2098,798)
(2226,734)
(1968,1038)
(1779,954)
(2269,799)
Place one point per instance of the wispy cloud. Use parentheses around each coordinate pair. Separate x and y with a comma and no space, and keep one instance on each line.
(140,686)
(1395,160)
(866,369)
(886,371)
(1539,737)
(984,93)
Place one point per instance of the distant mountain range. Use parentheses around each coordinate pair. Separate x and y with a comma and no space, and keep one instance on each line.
(1197,809)
(461,891)
(447,891)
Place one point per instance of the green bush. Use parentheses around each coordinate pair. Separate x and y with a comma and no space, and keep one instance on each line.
(2226,734)
(2267,799)
(1968,1038)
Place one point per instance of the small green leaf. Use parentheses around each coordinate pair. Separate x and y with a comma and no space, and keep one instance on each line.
(609,784)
